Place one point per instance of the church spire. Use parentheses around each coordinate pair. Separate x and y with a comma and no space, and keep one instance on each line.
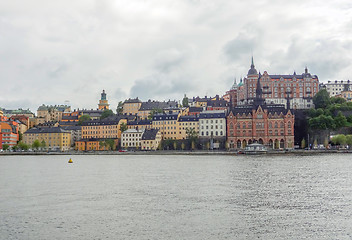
(252,71)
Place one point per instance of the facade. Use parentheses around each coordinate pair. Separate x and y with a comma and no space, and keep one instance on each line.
(93,144)
(347,95)
(141,124)
(168,126)
(268,124)
(131,138)
(212,124)
(231,95)
(336,87)
(131,106)
(217,104)
(20,111)
(186,124)
(147,107)
(9,133)
(46,113)
(151,139)
(103,129)
(55,138)
(300,89)
(76,133)
(103,102)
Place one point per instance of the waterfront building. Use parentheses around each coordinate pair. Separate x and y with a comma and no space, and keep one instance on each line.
(186,124)
(194,111)
(336,87)
(103,102)
(9,133)
(131,138)
(268,124)
(300,88)
(167,124)
(20,111)
(231,95)
(23,122)
(103,129)
(212,128)
(76,133)
(217,104)
(151,139)
(131,106)
(94,144)
(55,138)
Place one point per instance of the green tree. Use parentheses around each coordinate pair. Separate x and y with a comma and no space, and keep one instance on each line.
(339,139)
(36,144)
(23,146)
(20,136)
(322,122)
(185,101)
(183,146)
(5,147)
(175,145)
(119,108)
(321,99)
(83,118)
(43,144)
(340,120)
(338,100)
(123,127)
(103,144)
(349,140)
(106,113)
(111,144)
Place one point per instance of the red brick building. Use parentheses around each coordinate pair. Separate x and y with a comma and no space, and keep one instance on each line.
(268,124)
(300,88)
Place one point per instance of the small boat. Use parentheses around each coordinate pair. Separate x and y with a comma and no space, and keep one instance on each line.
(255,148)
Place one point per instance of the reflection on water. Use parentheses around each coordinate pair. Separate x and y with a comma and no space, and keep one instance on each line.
(176,197)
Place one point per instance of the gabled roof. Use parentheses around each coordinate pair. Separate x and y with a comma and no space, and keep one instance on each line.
(46,130)
(150,105)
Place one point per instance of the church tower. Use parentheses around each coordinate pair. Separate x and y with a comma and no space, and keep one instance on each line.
(103,102)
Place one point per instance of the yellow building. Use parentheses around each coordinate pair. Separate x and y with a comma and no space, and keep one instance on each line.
(131,106)
(51,113)
(103,102)
(186,124)
(141,124)
(347,95)
(55,138)
(150,106)
(151,139)
(168,125)
(102,129)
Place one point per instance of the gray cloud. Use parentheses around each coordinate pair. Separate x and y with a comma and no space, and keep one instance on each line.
(50,52)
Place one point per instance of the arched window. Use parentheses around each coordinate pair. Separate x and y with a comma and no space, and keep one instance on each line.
(289,125)
(276,125)
(281,125)
(231,126)
(244,125)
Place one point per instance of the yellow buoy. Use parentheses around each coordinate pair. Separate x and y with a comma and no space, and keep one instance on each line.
(70,161)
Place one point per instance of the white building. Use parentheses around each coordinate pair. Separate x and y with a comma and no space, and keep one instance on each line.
(212,124)
(336,87)
(131,138)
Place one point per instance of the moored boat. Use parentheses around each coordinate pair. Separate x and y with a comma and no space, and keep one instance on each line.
(255,148)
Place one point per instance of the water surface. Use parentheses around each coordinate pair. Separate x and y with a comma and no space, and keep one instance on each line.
(176,197)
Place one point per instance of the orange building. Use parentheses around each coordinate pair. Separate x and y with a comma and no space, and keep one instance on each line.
(9,133)
(93,144)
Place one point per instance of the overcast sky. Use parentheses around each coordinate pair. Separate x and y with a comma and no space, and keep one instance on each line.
(53,51)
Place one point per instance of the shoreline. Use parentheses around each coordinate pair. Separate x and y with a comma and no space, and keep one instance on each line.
(171,152)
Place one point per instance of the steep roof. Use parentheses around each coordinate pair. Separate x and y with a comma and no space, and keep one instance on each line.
(46,130)
(150,134)
(150,105)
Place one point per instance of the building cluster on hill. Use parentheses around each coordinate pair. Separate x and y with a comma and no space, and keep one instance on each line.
(260,108)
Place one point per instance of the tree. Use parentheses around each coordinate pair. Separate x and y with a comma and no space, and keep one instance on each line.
(321,99)
(119,108)
(83,118)
(123,127)
(303,143)
(23,146)
(183,146)
(185,101)
(111,144)
(322,122)
(340,120)
(175,145)
(103,144)
(43,144)
(5,147)
(339,139)
(349,140)
(338,100)
(36,144)
(106,113)
(20,136)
